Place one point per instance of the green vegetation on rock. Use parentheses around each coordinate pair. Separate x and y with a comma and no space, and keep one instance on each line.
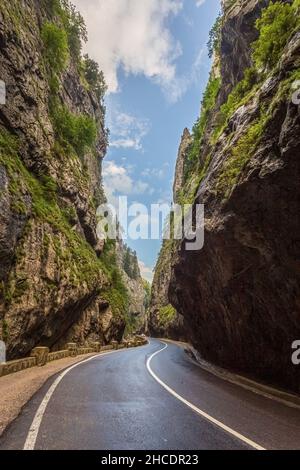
(94,77)
(214,43)
(166,314)
(73,24)
(56,50)
(130,263)
(275,27)
(76,130)
(208,103)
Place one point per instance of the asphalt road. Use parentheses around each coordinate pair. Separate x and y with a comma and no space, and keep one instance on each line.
(133,399)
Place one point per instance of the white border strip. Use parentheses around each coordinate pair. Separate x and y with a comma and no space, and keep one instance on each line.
(197,410)
(38,418)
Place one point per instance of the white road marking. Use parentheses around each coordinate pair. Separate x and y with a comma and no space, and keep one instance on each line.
(37,420)
(197,410)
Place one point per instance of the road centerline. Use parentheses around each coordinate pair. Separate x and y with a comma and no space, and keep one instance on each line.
(197,410)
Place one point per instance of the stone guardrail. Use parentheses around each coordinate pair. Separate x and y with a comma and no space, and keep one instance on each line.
(40,356)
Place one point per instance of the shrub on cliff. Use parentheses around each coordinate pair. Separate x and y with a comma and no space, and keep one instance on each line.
(208,103)
(56,50)
(77,130)
(214,42)
(75,27)
(73,24)
(275,26)
(94,77)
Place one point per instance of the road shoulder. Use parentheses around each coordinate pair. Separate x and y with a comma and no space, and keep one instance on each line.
(279,395)
(17,389)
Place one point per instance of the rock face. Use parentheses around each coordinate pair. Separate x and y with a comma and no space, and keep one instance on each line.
(163,320)
(240,293)
(52,276)
(179,171)
(135,286)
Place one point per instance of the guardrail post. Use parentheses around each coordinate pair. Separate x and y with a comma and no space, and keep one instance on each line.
(96,346)
(41,355)
(73,349)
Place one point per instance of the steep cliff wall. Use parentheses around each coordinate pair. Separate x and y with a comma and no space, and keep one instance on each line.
(240,293)
(57,284)
(163,320)
(129,267)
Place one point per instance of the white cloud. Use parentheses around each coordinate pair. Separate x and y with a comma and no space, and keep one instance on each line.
(118,181)
(127,131)
(199,3)
(178,86)
(134,35)
(146,271)
(157,173)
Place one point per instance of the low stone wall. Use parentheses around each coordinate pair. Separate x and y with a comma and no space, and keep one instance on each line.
(82,351)
(40,356)
(109,347)
(16,366)
(55,356)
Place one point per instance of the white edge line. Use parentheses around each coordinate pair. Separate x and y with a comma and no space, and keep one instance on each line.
(37,420)
(197,410)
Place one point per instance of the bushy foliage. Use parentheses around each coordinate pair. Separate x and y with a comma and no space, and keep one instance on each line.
(75,27)
(147,290)
(56,50)
(208,103)
(235,99)
(214,42)
(76,130)
(94,77)
(240,155)
(130,263)
(275,27)
(73,24)
(117,295)
(166,314)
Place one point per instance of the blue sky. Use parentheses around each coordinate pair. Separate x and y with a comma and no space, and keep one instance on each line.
(154,56)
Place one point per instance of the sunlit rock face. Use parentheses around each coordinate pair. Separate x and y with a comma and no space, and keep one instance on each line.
(51,275)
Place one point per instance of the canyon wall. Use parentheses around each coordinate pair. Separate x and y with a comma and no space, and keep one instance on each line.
(58,282)
(239,295)
(163,320)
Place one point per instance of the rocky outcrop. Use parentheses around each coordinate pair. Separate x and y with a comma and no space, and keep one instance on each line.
(135,287)
(53,279)
(163,320)
(185,142)
(240,293)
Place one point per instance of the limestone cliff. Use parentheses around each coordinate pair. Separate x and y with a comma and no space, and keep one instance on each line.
(57,284)
(163,320)
(240,293)
(128,264)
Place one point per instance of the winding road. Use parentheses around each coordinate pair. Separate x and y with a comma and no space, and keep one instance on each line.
(149,398)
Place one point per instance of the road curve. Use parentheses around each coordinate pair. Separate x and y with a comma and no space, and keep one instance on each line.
(149,398)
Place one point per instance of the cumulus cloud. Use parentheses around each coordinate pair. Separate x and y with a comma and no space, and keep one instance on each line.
(134,35)
(118,181)
(127,131)
(146,271)
(178,86)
